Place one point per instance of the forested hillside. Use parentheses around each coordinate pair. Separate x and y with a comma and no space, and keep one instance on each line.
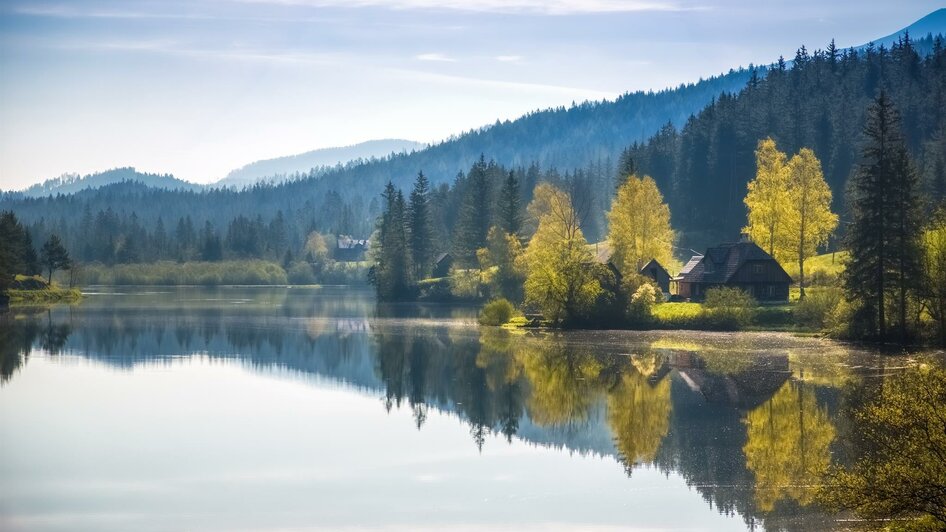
(819,103)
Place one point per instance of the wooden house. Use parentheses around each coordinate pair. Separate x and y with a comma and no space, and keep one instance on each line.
(658,273)
(348,249)
(442,265)
(741,265)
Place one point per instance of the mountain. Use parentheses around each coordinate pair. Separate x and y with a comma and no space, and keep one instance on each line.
(72,183)
(282,168)
(932,24)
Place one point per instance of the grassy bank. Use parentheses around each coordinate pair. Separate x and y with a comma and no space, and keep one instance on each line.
(231,272)
(34,290)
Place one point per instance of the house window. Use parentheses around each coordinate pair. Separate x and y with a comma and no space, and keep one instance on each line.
(770,290)
(758,269)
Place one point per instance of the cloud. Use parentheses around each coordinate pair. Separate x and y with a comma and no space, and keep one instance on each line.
(546,7)
(435,57)
(509,58)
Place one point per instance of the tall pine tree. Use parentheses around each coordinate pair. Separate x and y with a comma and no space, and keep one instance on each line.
(509,215)
(421,234)
(883,237)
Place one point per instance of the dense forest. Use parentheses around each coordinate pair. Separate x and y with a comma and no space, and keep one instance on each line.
(821,103)
(701,163)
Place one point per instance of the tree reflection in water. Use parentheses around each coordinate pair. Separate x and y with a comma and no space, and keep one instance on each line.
(750,428)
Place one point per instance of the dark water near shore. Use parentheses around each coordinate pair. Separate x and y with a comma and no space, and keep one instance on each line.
(263,408)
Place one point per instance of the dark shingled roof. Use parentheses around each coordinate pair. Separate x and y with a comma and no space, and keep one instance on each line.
(689,265)
(722,262)
(653,263)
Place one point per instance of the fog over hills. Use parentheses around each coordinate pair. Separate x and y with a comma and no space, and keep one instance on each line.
(281,168)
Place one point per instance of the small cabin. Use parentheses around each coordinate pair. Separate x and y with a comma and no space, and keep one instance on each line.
(348,249)
(654,270)
(742,265)
(442,265)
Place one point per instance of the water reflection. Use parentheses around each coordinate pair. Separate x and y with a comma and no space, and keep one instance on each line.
(751,421)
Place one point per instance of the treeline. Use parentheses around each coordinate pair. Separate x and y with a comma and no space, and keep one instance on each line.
(819,102)
(18,256)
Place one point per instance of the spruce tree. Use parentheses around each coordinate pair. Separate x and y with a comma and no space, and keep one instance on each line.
(474,216)
(510,211)
(54,256)
(392,268)
(883,237)
(421,235)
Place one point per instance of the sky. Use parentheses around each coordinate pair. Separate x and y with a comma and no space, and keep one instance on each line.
(197,88)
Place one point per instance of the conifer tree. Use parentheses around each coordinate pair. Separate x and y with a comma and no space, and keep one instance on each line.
(421,235)
(883,237)
(54,256)
(474,216)
(509,215)
(392,273)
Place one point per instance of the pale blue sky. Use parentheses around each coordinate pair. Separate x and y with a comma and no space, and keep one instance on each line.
(198,88)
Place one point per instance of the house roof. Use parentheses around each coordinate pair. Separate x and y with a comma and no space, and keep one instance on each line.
(720,263)
(654,263)
(694,260)
(443,256)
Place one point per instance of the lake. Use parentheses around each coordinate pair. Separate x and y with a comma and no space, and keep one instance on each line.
(243,408)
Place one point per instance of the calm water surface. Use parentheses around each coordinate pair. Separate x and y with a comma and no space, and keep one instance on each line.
(307,408)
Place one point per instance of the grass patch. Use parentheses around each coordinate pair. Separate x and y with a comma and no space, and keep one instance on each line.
(40,292)
(237,272)
(828,265)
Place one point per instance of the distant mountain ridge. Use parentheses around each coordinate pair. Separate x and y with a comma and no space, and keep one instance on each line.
(72,183)
(932,24)
(279,169)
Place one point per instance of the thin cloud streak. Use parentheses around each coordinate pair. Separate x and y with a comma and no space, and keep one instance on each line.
(436,57)
(541,7)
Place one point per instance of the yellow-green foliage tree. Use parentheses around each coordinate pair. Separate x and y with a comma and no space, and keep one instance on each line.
(639,416)
(767,199)
(900,473)
(563,381)
(787,448)
(809,221)
(933,289)
(501,264)
(560,279)
(639,226)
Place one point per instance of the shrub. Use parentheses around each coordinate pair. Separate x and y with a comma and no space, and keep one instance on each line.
(814,311)
(497,312)
(300,273)
(465,284)
(728,308)
(642,303)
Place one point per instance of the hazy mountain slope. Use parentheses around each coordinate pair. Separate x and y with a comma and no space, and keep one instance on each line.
(278,169)
(70,184)
(932,24)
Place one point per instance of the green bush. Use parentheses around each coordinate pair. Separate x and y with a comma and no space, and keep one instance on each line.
(815,310)
(465,284)
(642,303)
(301,273)
(497,312)
(728,308)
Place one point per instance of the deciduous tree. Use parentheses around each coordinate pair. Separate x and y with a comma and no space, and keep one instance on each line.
(639,226)
(809,220)
(560,278)
(767,199)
